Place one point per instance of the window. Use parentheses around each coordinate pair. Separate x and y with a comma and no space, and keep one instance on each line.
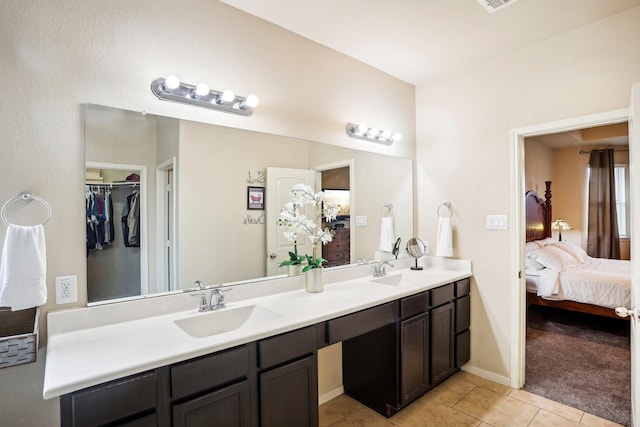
(621,176)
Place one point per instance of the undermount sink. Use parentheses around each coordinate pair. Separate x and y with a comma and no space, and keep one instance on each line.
(393,280)
(225,320)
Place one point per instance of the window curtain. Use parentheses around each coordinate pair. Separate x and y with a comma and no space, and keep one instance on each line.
(602,232)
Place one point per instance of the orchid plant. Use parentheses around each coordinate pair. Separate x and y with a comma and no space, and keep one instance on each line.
(295,224)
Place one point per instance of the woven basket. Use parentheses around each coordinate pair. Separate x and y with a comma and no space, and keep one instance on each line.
(18,336)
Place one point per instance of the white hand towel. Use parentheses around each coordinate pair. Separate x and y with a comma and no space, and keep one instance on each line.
(444,244)
(23,270)
(387,236)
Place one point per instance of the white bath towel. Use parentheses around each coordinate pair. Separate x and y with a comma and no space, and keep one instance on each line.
(444,244)
(387,236)
(23,270)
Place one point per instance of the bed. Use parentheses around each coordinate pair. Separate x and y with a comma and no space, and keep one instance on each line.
(562,275)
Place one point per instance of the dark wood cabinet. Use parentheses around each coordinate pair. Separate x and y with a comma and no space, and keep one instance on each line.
(289,379)
(129,400)
(337,251)
(229,407)
(389,367)
(414,358)
(289,394)
(463,322)
(442,343)
(391,354)
(213,389)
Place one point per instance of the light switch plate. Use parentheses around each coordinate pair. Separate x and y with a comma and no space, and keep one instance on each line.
(496,222)
(66,289)
(361,220)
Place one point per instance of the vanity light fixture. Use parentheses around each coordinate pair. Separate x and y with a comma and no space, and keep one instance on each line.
(172,89)
(362,131)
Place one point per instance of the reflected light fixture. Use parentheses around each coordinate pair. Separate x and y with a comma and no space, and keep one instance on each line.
(172,89)
(560,224)
(373,134)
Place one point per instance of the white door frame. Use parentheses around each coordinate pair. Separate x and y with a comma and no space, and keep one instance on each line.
(351,164)
(144,240)
(518,305)
(164,271)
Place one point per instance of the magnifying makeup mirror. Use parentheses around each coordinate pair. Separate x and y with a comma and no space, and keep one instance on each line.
(416,248)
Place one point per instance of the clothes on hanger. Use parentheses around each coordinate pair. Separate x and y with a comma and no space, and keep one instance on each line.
(100,227)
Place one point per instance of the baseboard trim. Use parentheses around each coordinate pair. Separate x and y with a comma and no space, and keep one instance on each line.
(331,395)
(500,379)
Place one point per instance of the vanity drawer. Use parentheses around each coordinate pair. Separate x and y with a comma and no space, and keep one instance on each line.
(463,287)
(415,304)
(208,372)
(287,346)
(441,295)
(353,325)
(110,402)
(336,257)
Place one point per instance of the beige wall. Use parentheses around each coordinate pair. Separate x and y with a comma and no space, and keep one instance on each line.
(464,154)
(57,55)
(537,166)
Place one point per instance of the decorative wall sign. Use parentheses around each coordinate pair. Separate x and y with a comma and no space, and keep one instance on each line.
(249,220)
(255,198)
(255,180)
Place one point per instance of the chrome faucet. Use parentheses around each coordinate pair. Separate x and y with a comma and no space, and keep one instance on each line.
(218,294)
(216,300)
(204,305)
(379,270)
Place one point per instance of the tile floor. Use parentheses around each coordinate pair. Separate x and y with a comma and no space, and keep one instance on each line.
(463,400)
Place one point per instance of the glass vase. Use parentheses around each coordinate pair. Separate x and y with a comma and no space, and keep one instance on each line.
(313,281)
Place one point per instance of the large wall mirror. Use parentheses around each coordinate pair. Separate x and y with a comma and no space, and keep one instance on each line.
(172,201)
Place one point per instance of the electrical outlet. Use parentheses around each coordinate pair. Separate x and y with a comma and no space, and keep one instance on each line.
(66,289)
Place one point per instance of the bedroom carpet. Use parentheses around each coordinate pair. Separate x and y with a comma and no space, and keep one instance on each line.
(580,360)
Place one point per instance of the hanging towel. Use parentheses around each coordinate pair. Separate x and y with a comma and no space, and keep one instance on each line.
(23,270)
(387,236)
(444,244)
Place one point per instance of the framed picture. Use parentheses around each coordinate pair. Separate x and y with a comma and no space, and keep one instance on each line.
(255,198)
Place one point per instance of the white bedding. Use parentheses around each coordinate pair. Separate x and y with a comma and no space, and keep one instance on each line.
(597,281)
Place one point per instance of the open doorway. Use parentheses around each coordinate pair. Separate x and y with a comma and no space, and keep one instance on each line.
(581,360)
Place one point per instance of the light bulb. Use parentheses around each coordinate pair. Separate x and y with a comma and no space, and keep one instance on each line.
(361,129)
(396,136)
(227,96)
(251,101)
(373,132)
(385,134)
(172,82)
(202,89)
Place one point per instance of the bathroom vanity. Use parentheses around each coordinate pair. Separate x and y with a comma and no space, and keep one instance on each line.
(401,335)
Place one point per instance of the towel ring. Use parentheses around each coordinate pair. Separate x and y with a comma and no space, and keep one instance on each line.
(389,208)
(25,198)
(448,206)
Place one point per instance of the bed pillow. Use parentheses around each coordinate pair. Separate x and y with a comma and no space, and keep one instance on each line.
(544,242)
(553,257)
(530,264)
(531,246)
(573,249)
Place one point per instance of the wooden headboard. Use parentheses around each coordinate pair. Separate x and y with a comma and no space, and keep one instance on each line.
(538,214)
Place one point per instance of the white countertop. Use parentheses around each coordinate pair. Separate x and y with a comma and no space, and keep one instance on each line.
(92,345)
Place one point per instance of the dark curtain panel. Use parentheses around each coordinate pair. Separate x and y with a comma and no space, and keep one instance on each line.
(602,233)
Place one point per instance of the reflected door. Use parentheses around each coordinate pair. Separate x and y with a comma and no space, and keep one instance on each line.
(279,182)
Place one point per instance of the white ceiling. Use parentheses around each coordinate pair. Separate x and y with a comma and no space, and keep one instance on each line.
(419,40)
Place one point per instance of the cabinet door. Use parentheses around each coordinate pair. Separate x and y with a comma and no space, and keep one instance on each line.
(414,350)
(442,341)
(289,395)
(106,403)
(229,407)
